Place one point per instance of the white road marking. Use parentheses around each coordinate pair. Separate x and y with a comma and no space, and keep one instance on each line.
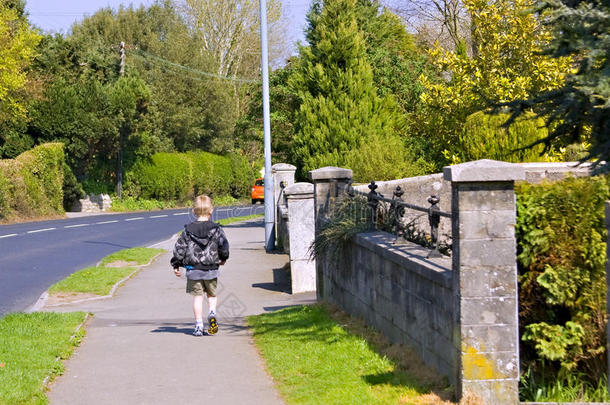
(158,216)
(181,213)
(134,219)
(106,222)
(75,226)
(41,230)
(8,236)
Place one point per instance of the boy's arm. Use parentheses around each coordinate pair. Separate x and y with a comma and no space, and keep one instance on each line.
(223,246)
(179,251)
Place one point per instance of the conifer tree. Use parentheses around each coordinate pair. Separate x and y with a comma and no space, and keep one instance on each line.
(340,108)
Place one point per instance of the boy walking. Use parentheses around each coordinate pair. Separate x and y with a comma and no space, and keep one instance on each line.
(201,249)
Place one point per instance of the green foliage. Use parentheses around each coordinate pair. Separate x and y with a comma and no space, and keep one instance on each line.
(17,49)
(340,109)
(580,109)
(126,204)
(507,64)
(72,189)
(566,387)
(562,253)
(180,176)
(32,184)
(165,176)
(485,136)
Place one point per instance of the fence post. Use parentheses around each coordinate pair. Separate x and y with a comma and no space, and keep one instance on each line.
(485,279)
(301,229)
(330,185)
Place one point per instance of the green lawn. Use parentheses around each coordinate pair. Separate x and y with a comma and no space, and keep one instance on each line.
(100,280)
(137,255)
(30,346)
(316,361)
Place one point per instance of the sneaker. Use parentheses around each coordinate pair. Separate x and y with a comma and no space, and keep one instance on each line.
(198,331)
(213,329)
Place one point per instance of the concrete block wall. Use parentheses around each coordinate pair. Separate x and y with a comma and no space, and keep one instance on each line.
(459,313)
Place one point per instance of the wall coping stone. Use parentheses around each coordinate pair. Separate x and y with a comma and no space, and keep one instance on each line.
(330,172)
(299,190)
(483,170)
(408,255)
(283,167)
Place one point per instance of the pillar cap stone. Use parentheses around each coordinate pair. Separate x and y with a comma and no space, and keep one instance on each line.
(299,189)
(482,171)
(283,167)
(330,172)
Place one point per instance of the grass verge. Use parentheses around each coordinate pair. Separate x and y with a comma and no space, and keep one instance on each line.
(319,355)
(228,221)
(100,280)
(31,349)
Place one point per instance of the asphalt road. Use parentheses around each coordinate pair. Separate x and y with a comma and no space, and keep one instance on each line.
(35,255)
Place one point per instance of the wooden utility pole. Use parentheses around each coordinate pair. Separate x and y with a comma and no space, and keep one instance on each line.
(119,174)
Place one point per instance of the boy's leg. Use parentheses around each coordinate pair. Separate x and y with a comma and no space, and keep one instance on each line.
(195,288)
(198,309)
(212,303)
(210,289)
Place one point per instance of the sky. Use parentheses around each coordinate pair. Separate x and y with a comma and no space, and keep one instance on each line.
(59,15)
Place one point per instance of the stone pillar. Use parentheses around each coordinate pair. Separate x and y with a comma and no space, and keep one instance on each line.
(486,333)
(330,184)
(281,172)
(301,229)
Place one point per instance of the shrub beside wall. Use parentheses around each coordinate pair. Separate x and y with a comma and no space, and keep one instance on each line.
(562,285)
(31,184)
(179,176)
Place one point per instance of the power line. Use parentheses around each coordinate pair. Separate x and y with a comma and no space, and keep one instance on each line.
(148,56)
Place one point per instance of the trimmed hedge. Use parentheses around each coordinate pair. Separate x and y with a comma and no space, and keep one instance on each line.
(31,184)
(180,176)
(562,279)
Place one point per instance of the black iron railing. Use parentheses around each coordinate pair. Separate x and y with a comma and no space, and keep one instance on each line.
(396,208)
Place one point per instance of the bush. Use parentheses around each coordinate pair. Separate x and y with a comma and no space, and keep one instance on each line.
(73,190)
(562,279)
(31,185)
(180,176)
(165,176)
(485,137)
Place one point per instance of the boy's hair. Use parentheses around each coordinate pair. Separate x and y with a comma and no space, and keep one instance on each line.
(202,206)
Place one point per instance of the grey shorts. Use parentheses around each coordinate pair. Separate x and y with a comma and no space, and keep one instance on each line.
(198,287)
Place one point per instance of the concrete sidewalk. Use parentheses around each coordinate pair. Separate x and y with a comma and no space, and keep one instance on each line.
(139,348)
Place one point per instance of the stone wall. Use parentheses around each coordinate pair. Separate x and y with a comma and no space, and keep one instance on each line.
(459,313)
(93,203)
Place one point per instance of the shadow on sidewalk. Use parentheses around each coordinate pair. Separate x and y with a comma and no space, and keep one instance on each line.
(229,327)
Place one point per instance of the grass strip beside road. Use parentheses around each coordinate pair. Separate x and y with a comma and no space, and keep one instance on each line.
(315,360)
(31,349)
(138,256)
(228,221)
(100,280)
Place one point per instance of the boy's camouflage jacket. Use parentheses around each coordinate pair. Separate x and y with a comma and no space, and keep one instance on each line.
(202,245)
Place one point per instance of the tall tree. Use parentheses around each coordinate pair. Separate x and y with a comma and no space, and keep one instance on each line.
(580,108)
(340,108)
(18,43)
(508,64)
